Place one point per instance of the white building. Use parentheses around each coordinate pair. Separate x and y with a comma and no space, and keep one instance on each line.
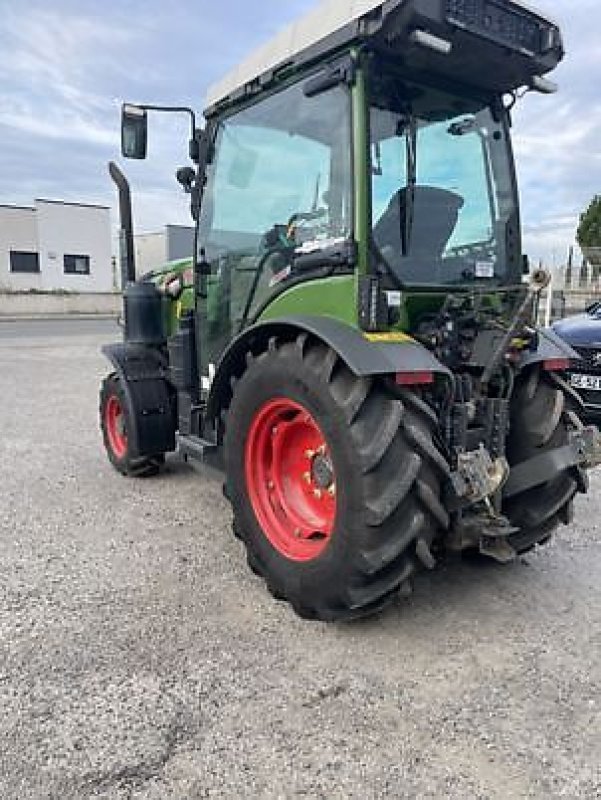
(56,246)
(155,249)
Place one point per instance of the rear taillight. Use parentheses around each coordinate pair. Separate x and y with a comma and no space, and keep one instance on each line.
(414,378)
(556,364)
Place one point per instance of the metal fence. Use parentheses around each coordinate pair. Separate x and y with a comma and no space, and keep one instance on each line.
(556,304)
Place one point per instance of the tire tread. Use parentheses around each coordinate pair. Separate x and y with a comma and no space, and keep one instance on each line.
(400,469)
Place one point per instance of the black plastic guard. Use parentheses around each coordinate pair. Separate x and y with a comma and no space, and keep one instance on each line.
(550,347)
(149,397)
(365,354)
(136,362)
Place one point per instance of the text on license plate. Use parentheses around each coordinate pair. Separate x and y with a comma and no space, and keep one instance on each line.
(591,382)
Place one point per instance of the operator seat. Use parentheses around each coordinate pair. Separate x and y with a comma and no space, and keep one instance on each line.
(435,216)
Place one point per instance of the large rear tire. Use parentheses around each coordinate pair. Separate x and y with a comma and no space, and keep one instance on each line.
(541,417)
(334,482)
(116,424)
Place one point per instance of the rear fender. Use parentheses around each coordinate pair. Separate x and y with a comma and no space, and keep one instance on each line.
(551,347)
(364,354)
(149,398)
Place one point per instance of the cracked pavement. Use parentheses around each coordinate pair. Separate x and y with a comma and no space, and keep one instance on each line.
(140,658)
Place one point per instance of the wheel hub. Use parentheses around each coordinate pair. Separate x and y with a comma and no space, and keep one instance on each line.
(322,472)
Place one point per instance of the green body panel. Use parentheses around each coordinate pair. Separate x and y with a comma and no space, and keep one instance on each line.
(329,297)
(174,308)
(186,301)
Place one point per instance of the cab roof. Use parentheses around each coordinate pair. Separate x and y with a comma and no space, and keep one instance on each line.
(334,24)
(329,17)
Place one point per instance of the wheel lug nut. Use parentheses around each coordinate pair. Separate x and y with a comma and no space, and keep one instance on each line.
(317,493)
(332,490)
(307,477)
(310,454)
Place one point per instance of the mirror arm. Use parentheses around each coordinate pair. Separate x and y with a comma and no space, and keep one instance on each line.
(195,133)
(176,110)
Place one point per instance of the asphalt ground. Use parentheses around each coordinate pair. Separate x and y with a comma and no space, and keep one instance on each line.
(140,658)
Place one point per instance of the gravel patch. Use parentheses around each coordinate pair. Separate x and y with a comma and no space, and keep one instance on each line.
(140,658)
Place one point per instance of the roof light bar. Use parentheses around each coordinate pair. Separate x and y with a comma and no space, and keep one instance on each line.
(428,40)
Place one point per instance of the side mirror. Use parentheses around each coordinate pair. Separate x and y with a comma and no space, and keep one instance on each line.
(525,265)
(134,131)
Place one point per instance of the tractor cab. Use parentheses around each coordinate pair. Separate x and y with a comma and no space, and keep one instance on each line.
(378,155)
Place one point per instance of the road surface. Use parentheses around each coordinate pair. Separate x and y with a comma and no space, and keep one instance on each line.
(140,658)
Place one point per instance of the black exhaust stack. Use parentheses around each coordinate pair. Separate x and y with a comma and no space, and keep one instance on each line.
(127,257)
(142,302)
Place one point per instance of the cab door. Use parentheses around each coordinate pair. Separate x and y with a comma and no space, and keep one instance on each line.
(279,185)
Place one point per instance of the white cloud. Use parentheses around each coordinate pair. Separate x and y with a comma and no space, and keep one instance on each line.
(44,72)
(65,63)
(73,127)
(557,140)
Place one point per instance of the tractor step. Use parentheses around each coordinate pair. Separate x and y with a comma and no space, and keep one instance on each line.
(195,449)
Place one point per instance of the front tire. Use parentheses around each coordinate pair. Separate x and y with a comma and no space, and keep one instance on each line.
(334,482)
(116,426)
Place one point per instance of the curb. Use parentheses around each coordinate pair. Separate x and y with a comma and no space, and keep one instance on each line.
(56,317)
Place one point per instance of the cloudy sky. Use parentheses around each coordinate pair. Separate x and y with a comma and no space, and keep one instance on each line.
(67,64)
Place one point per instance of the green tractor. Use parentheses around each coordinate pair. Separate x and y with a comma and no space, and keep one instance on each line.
(353,339)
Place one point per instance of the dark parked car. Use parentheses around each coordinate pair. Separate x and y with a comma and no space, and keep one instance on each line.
(583,333)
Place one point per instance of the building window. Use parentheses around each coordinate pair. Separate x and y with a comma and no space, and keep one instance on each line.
(77,265)
(23,261)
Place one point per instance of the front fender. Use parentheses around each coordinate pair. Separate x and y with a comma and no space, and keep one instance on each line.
(148,395)
(365,354)
(136,361)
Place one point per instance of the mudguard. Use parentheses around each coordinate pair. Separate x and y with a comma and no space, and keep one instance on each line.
(365,354)
(149,398)
(550,347)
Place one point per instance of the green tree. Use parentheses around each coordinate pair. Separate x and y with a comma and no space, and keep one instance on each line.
(589,236)
(589,229)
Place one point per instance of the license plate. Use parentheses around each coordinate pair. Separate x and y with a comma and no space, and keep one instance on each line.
(590,382)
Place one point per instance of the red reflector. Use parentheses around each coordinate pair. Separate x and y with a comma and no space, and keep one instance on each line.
(414,378)
(556,364)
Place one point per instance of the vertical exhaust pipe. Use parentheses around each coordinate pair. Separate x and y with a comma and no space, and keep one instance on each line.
(127,259)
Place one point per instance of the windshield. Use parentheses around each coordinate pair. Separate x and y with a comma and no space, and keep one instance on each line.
(443,195)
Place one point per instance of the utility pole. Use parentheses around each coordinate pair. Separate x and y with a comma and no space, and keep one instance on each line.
(569,268)
(583,273)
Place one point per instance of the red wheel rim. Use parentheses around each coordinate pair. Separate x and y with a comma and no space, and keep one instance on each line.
(114,422)
(290,479)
